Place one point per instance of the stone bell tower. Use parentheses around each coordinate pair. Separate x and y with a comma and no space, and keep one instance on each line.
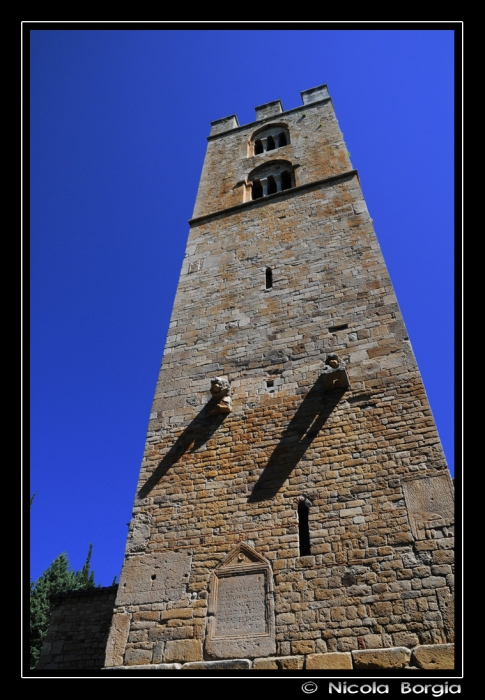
(294,509)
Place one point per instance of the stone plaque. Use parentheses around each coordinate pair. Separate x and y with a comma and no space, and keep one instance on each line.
(241,606)
(154,578)
(430,504)
(195,266)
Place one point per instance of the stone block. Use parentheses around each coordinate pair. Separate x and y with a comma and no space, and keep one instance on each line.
(396,657)
(373,641)
(405,639)
(225,665)
(286,663)
(118,636)
(137,657)
(430,503)
(153,578)
(183,650)
(433,582)
(330,661)
(446,604)
(290,663)
(434,657)
(271,664)
(303,647)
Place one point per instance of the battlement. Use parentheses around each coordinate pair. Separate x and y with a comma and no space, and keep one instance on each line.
(269,110)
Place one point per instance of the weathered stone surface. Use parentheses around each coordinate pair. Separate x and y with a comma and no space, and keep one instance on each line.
(137,657)
(269,664)
(118,636)
(330,661)
(434,656)
(153,578)
(405,639)
(446,602)
(289,663)
(430,502)
(396,657)
(214,665)
(303,647)
(183,650)
(138,533)
(285,663)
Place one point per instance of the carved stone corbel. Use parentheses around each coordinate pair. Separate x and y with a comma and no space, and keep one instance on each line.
(221,393)
(334,374)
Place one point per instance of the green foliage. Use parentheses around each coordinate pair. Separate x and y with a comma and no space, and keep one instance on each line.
(58,578)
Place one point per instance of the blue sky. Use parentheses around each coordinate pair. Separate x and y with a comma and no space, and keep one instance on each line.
(119,120)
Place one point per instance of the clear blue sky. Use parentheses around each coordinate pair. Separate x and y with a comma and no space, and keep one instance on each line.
(119,120)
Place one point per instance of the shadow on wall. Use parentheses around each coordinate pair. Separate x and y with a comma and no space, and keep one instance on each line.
(196,434)
(307,422)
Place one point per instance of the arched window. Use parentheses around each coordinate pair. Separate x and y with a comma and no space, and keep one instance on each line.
(268,138)
(269,178)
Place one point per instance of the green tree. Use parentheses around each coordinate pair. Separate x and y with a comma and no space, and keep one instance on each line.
(58,578)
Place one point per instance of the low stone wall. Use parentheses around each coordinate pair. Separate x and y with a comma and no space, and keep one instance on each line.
(78,629)
(429,657)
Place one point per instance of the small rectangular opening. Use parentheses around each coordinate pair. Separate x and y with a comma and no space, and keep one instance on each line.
(270,383)
(269,278)
(342,327)
(303,530)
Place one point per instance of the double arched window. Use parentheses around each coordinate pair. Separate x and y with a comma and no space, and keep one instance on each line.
(269,138)
(269,178)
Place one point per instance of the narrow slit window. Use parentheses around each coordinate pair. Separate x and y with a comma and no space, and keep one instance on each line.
(303,529)
(258,147)
(269,278)
(283,141)
(271,143)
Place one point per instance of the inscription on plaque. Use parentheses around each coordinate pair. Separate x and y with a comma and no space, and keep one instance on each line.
(430,505)
(241,605)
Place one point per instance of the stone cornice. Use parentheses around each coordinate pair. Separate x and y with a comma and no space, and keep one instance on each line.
(270,197)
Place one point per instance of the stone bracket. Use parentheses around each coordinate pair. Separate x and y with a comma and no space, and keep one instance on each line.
(339,379)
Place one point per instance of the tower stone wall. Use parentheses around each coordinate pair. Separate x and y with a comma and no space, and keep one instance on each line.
(302,511)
